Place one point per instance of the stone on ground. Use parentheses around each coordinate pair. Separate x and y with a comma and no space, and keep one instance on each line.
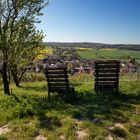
(4,129)
(81,135)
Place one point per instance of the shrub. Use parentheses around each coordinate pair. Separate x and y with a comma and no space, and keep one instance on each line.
(3,138)
(33,77)
(18,107)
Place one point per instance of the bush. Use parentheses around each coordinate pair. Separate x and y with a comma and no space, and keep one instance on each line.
(33,77)
(120,131)
(18,107)
(3,138)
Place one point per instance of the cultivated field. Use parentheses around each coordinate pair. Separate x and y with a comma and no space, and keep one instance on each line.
(109,54)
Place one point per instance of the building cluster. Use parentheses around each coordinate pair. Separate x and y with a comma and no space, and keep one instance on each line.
(76,64)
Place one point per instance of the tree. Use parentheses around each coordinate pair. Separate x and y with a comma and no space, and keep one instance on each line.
(14,15)
(27,45)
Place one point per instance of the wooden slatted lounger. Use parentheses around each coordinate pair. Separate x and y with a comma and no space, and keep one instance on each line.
(58,81)
(107,76)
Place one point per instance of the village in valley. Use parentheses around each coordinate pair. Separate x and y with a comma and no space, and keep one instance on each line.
(69,57)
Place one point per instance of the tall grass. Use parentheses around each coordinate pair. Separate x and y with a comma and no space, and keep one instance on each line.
(81,78)
(29,113)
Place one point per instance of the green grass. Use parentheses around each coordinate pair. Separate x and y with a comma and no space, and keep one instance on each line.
(110,54)
(28,113)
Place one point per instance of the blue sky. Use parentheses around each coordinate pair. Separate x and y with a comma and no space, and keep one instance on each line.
(102,21)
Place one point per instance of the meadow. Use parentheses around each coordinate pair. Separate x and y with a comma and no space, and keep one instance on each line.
(28,114)
(109,54)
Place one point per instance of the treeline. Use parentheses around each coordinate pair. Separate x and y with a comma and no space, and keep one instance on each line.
(93,45)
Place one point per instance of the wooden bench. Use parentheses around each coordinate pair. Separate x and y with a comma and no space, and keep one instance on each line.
(58,81)
(107,76)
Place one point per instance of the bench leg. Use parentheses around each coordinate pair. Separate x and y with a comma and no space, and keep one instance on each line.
(49,94)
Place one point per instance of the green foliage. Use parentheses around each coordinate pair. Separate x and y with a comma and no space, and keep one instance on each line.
(120,132)
(18,107)
(3,138)
(33,77)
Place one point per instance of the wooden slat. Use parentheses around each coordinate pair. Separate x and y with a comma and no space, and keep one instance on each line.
(60,87)
(107,66)
(62,68)
(106,75)
(105,79)
(106,71)
(100,88)
(107,62)
(56,72)
(57,76)
(61,82)
(105,84)
(56,88)
(111,85)
(57,80)
(59,90)
(58,84)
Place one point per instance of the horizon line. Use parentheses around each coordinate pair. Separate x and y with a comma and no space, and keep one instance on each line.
(91,42)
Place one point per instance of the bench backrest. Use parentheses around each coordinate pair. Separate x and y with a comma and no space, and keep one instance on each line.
(107,75)
(57,79)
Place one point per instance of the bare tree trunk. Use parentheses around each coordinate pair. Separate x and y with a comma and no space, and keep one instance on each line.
(5,79)
(14,75)
(16,80)
(17,75)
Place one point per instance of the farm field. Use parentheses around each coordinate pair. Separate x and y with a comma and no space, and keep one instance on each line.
(44,52)
(110,54)
(28,114)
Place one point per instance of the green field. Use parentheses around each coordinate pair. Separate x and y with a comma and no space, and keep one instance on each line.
(110,54)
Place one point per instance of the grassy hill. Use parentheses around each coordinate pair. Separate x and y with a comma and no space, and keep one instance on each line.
(110,54)
(28,114)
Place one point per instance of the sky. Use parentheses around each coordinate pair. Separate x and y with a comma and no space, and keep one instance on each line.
(100,21)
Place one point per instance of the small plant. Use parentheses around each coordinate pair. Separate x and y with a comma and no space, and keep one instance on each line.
(3,138)
(120,132)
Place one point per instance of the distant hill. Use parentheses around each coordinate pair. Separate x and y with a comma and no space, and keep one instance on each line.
(94,45)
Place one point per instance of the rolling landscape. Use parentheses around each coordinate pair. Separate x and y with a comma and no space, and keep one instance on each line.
(56,83)
(101,51)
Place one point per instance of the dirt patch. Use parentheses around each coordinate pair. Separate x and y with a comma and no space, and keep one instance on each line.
(109,137)
(138,137)
(62,137)
(119,138)
(81,135)
(119,130)
(40,138)
(4,129)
